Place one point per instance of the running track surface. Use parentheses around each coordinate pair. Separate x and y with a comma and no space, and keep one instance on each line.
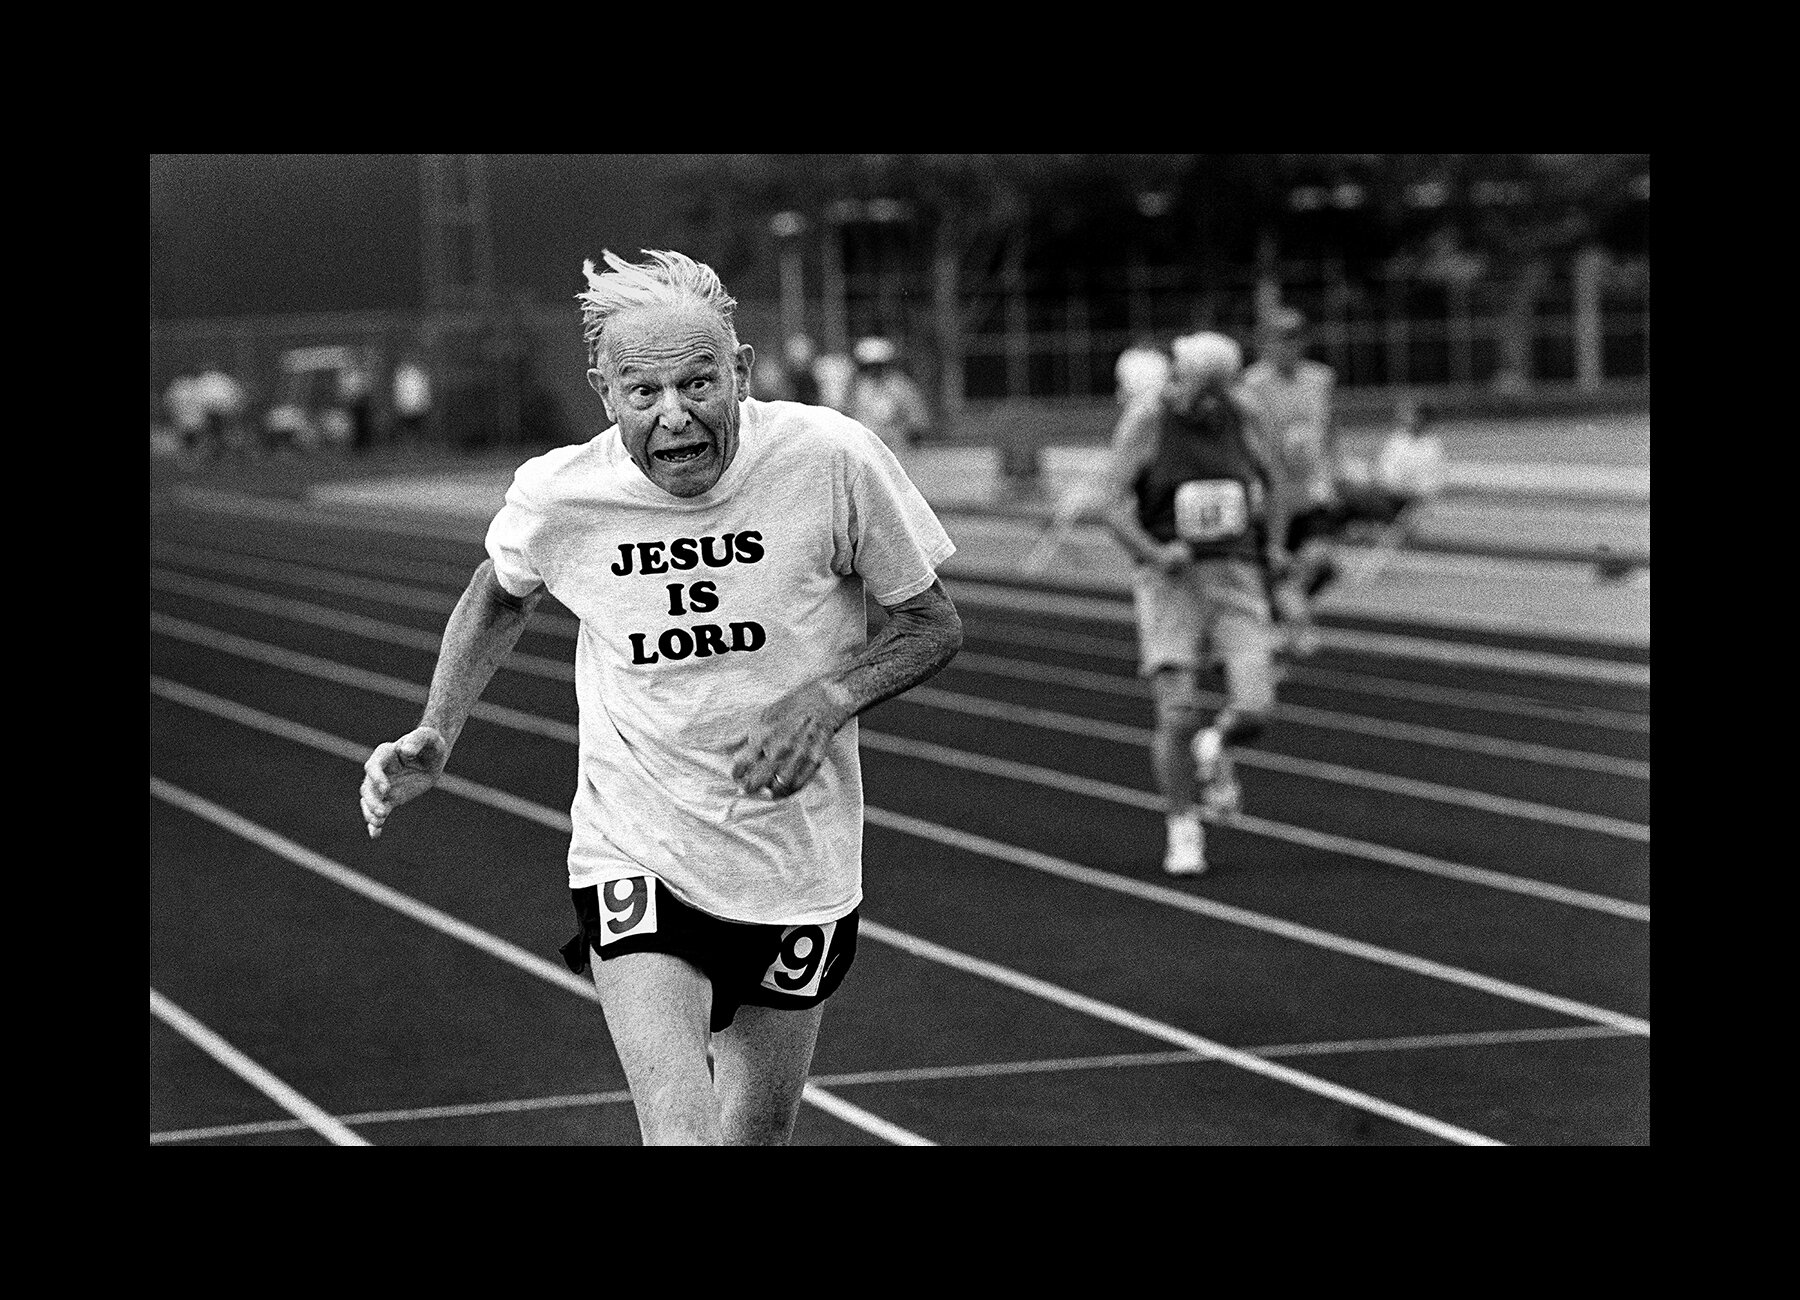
(1429,927)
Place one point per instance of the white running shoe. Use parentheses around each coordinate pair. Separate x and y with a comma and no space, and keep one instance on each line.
(1187,846)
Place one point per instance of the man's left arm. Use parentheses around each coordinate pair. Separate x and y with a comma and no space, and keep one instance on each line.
(790,739)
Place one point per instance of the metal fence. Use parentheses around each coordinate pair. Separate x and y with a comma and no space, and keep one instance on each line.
(1044,340)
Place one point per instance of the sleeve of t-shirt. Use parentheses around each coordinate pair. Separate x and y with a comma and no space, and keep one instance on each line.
(896,542)
(509,541)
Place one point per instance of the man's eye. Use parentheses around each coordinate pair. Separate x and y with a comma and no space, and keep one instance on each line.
(700,382)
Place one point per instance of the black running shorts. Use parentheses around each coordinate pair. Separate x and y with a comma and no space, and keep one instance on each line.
(784,966)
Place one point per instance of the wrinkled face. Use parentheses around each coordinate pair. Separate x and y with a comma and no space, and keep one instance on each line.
(669,378)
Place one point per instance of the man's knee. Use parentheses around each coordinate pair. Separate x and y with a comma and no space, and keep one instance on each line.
(760,1073)
(657,1007)
(1177,700)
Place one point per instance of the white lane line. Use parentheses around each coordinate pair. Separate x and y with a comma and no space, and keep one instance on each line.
(932,1074)
(1381,728)
(1127,1060)
(215,501)
(1074,871)
(456,928)
(1010,978)
(433,599)
(1428,1042)
(1005,768)
(850,1113)
(1312,769)
(982,846)
(1114,610)
(329,566)
(292,660)
(338,620)
(1585,715)
(355,752)
(288,1098)
(467,1110)
(1538,662)
(978,628)
(439,601)
(1051,778)
(977,706)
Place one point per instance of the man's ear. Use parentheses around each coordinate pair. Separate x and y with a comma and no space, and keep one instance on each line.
(597,382)
(745,360)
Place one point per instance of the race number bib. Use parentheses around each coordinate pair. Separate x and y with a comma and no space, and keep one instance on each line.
(800,965)
(1211,509)
(627,908)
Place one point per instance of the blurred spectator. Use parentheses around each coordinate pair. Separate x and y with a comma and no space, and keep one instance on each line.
(355,390)
(802,383)
(834,372)
(221,399)
(1409,469)
(1141,371)
(1294,396)
(1383,505)
(412,401)
(1139,375)
(884,398)
(187,412)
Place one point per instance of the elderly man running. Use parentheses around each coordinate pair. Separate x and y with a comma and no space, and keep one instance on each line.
(1190,495)
(717,551)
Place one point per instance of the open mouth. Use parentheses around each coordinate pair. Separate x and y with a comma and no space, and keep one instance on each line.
(680,455)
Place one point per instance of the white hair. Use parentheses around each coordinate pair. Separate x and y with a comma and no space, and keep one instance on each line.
(667,279)
(1207,356)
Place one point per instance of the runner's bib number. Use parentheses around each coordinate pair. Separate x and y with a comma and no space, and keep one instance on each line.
(627,907)
(800,965)
(1211,510)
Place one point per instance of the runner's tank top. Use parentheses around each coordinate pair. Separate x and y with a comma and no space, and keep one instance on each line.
(1203,485)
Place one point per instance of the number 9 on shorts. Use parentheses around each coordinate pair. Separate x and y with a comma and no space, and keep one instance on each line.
(799,963)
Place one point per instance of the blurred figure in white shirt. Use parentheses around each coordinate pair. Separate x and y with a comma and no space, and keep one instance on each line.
(222,400)
(412,400)
(187,412)
(884,399)
(1409,469)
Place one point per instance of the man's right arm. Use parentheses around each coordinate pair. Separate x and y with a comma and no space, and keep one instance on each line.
(483,629)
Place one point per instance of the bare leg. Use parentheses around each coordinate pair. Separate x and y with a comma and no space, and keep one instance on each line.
(1177,721)
(759,1070)
(657,1010)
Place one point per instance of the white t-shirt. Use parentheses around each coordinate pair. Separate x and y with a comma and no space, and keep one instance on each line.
(698,613)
